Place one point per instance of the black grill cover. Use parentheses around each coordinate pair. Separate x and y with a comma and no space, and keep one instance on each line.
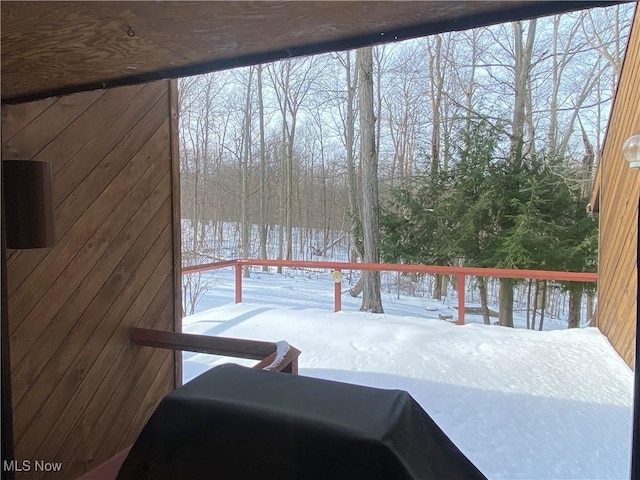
(238,423)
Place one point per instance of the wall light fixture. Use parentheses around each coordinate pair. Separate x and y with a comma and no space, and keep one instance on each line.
(631,151)
(28,203)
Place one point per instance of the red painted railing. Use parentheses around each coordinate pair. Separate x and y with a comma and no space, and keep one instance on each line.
(459,272)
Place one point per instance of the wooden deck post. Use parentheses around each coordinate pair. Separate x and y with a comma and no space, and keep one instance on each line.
(337,290)
(238,268)
(461,288)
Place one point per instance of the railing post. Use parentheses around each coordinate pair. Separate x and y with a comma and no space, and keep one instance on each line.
(461,292)
(337,289)
(238,283)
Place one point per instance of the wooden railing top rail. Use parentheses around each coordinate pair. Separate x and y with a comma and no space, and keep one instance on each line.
(286,355)
(401,267)
(228,347)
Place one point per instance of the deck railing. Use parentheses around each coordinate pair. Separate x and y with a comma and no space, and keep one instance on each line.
(338,267)
(279,357)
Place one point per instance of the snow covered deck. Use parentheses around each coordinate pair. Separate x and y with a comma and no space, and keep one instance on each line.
(519,403)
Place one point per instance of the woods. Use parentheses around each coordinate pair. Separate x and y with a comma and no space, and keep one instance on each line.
(475,148)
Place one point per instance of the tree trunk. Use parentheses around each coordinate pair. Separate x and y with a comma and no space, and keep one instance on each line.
(437,286)
(591,312)
(543,304)
(505,318)
(529,304)
(535,305)
(282,190)
(575,304)
(262,226)
(380,52)
(587,164)
(289,177)
(522,69)
(244,177)
(371,299)
(357,288)
(484,305)
(352,186)
(289,142)
(435,92)
(444,285)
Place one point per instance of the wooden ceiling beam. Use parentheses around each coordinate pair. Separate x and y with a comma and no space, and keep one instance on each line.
(56,48)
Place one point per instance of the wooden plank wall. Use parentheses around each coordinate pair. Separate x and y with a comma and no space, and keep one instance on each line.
(619,194)
(81,390)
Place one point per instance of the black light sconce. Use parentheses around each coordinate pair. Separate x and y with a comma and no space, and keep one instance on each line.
(28,203)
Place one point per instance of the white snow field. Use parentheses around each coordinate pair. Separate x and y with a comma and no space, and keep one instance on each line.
(520,404)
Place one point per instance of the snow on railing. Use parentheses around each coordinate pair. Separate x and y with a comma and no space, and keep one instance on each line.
(280,360)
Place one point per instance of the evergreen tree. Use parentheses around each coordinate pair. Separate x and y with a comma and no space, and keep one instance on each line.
(493,213)
(577,252)
(472,202)
(413,226)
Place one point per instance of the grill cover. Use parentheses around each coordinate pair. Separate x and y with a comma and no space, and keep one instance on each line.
(233,423)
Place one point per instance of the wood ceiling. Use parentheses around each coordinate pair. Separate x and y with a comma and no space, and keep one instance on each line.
(53,48)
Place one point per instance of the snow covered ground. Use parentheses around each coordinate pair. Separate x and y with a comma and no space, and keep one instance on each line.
(520,404)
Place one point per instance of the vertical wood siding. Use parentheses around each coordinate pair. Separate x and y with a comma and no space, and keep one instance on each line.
(81,391)
(619,193)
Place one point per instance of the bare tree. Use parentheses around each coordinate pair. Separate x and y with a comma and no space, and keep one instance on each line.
(245,162)
(436,88)
(381,60)
(262,222)
(196,105)
(349,143)
(292,80)
(468,85)
(371,299)
(403,108)
(603,29)
(436,92)
(523,54)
